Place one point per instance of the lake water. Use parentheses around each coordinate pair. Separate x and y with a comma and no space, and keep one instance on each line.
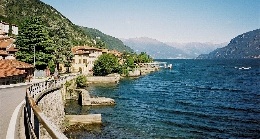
(195,99)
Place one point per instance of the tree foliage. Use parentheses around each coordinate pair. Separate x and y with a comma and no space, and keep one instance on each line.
(81,81)
(106,64)
(34,36)
(62,46)
(143,58)
(106,41)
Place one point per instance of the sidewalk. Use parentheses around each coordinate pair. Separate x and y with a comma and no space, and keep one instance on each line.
(23,84)
(11,96)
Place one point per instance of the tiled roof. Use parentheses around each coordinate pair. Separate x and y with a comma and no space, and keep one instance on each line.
(6,42)
(3,53)
(16,64)
(12,49)
(116,53)
(83,49)
(8,70)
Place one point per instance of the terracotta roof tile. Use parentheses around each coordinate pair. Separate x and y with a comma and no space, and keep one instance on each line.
(10,68)
(3,53)
(83,49)
(12,49)
(6,42)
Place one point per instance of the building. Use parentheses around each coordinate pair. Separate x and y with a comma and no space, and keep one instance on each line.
(14,29)
(13,71)
(84,58)
(4,29)
(116,53)
(7,48)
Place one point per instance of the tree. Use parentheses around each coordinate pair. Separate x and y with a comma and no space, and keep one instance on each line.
(106,64)
(62,50)
(81,81)
(33,34)
(143,58)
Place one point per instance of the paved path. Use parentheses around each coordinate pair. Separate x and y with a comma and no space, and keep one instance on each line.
(9,99)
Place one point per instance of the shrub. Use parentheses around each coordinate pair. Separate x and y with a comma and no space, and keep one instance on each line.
(81,81)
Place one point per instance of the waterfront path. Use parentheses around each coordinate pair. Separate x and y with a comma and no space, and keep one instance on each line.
(10,97)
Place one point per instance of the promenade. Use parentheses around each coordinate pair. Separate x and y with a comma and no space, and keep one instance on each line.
(10,97)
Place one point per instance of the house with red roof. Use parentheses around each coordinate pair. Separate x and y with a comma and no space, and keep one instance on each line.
(13,71)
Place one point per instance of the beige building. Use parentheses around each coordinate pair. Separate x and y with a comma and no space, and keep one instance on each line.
(84,58)
(14,29)
(4,29)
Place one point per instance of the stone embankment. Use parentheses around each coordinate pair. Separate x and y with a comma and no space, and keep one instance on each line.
(86,100)
(52,107)
(113,78)
(83,119)
(142,71)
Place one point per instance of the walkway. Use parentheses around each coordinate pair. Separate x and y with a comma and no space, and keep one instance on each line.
(10,97)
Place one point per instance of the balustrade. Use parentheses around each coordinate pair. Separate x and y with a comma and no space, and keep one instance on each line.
(33,116)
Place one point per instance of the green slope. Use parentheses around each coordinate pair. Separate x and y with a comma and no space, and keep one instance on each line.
(110,42)
(15,11)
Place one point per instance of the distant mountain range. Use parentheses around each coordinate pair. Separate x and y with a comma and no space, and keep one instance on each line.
(246,45)
(160,50)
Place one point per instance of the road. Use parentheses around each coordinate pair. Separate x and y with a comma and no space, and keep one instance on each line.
(9,99)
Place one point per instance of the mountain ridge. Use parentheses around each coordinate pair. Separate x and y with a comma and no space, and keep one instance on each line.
(243,46)
(169,50)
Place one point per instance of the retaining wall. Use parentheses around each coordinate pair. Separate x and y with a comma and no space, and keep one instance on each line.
(53,108)
(103,79)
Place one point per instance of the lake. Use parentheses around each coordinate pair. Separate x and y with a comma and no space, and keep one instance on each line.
(195,99)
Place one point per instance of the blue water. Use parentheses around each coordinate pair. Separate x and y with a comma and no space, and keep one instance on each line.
(195,99)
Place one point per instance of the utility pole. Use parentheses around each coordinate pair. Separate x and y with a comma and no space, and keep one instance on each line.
(34,60)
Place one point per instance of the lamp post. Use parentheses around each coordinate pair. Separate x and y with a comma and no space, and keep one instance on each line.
(34,60)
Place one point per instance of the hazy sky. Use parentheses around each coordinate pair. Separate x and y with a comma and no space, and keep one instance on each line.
(165,20)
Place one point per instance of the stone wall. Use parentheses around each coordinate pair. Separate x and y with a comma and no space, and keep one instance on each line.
(104,79)
(52,106)
(134,73)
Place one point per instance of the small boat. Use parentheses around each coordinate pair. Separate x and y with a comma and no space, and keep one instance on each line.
(245,68)
(169,66)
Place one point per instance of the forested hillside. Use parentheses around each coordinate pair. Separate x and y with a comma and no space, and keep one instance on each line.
(246,45)
(58,26)
(16,11)
(110,42)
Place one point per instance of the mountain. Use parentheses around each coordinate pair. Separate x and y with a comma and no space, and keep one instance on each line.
(110,41)
(194,49)
(160,50)
(155,48)
(15,11)
(246,45)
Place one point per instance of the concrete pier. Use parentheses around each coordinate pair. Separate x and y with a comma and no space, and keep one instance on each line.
(86,100)
(84,119)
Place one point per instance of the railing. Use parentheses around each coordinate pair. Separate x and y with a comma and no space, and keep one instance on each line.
(33,116)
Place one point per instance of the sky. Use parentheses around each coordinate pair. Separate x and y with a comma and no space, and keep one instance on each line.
(180,21)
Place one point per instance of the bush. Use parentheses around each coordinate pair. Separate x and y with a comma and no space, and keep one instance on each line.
(81,81)
(106,64)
